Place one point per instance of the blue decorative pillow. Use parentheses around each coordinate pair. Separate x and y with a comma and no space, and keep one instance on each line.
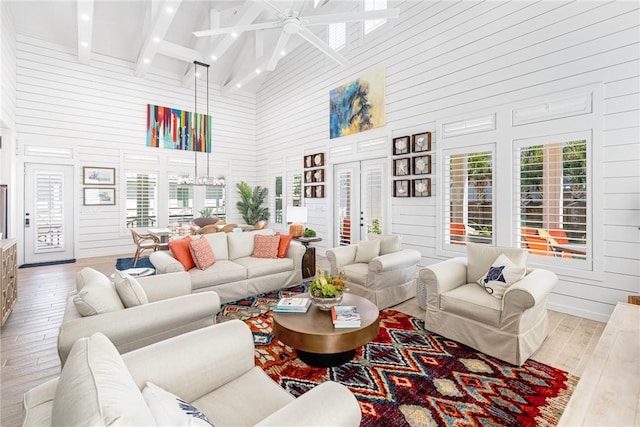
(502,274)
(170,410)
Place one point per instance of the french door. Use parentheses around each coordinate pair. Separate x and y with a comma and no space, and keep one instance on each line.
(361,194)
(48,213)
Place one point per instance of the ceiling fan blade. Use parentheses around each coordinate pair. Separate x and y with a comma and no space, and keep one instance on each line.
(306,34)
(276,55)
(351,17)
(238,29)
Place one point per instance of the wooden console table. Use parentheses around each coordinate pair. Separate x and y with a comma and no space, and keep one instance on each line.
(8,276)
(609,390)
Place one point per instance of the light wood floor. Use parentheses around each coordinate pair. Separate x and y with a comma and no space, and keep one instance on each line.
(28,338)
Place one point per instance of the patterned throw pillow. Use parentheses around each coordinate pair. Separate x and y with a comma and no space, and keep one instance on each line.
(266,246)
(283,246)
(181,252)
(202,253)
(502,274)
(170,410)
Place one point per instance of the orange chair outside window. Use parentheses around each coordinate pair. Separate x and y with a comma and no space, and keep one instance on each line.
(536,244)
(456,233)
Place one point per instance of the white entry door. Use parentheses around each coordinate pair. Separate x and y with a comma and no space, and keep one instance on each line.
(361,196)
(48,213)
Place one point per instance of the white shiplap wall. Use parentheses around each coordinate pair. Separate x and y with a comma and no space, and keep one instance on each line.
(99,112)
(447,59)
(7,68)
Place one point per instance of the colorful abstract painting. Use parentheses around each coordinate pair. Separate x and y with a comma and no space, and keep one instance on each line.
(358,105)
(177,129)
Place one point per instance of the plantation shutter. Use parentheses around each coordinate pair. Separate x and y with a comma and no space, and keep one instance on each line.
(551,198)
(294,189)
(141,204)
(337,35)
(180,200)
(372,197)
(215,198)
(469,198)
(49,211)
(278,208)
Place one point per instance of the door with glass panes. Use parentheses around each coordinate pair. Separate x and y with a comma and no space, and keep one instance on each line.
(361,194)
(48,213)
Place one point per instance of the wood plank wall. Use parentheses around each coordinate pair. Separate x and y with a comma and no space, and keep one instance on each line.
(449,59)
(99,112)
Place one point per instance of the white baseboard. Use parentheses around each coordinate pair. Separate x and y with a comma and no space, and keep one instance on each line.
(580,312)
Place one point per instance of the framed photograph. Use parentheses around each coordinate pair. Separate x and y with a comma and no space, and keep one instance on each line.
(318,160)
(421,142)
(318,175)
(319,191)
(422,165)
(401,145)
(308,176)
(402,167)
(309,191)
(308,161)
(421,187)
(98,176)
(401,188)
(99,196)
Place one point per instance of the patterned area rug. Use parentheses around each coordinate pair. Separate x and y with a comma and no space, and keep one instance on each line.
(411,377)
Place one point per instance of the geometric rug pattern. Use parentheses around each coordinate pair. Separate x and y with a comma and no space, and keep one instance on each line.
(411,377)
(408,376)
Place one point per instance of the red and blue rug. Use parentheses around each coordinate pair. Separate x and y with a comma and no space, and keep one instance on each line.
(411,377)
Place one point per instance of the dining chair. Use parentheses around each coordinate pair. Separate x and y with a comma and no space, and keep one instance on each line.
(228,228)
(144,242)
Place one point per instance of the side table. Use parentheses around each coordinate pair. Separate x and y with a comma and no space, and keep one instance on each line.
(309,258)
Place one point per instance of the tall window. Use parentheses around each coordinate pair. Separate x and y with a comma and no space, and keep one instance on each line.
(215,198)
(142,199)
(294,189)
(374,5)
(552,198)
(469,196)
(180,201)
(278,201)
(337,35)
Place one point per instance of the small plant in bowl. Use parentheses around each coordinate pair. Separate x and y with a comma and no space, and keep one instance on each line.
(326,290)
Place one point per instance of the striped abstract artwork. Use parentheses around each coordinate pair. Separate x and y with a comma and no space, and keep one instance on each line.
(177,129)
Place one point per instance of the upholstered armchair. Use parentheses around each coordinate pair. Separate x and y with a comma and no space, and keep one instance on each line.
(510,328)
(131,312)
(377,269)
(208,373)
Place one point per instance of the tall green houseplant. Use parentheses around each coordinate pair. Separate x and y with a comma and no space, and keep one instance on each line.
(251,204)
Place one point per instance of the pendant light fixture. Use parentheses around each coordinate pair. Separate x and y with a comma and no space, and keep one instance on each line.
(200,180)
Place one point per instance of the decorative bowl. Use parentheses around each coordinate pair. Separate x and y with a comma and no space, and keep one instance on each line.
(324,303)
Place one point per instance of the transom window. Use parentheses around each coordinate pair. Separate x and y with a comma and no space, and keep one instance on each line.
(369,5)
(337,35)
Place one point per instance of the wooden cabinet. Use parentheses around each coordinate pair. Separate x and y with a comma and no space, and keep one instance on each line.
(8,276)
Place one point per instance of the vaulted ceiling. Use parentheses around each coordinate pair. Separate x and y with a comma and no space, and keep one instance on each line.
(157,35)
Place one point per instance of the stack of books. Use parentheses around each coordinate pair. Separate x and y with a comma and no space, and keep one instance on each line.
(292,305)
(345,316)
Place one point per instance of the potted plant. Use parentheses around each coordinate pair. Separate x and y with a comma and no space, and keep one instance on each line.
(250,205)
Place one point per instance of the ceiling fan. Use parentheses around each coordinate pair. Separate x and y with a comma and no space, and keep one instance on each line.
(290,22)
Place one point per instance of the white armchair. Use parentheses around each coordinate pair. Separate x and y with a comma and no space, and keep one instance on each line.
(208,372)
(511,328)
(378,269)
(169,309)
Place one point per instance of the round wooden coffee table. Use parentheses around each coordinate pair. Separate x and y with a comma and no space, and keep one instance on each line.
(315,339)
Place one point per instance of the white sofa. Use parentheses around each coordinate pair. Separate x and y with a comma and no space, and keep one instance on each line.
(511,328)
(377,269)
(211,369)
(171,310)
(236,274)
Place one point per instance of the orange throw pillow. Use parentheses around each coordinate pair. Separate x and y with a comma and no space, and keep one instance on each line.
(283,247)
(181,252)
(202,253)
(265,246)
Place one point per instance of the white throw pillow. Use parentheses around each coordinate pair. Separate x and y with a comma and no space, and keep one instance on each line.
(89,275)
(170,410)
(95,388)
(366,251)
(97,298)
(389,243)
(502,274)
(129,290)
